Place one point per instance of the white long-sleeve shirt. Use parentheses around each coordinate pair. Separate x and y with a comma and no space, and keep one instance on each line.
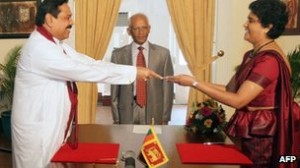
(41,104)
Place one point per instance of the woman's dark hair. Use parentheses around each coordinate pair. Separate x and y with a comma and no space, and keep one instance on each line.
(271,12)
(48,6)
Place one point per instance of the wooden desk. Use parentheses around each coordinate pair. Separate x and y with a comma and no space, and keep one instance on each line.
(123,134)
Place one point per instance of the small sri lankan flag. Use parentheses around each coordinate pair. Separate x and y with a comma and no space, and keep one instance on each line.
(152,154)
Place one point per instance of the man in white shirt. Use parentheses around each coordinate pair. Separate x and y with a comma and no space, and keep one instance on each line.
(41,104)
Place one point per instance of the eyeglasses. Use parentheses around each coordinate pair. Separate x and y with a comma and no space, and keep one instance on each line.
(143,28)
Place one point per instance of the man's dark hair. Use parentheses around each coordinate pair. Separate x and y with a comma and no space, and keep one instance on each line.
(48,6)
(271,12)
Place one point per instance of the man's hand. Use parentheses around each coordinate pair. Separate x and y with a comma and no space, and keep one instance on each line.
(145,74)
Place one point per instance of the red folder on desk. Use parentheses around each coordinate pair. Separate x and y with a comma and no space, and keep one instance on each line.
(211,154)
(88,153)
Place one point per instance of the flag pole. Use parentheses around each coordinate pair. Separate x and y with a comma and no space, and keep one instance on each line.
(152,123)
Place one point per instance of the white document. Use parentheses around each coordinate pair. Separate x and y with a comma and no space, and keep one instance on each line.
(143,129)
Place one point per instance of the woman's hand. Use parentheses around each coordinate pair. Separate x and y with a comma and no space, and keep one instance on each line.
(184,80)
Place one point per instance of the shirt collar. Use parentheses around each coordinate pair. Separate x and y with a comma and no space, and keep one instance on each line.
(145,45)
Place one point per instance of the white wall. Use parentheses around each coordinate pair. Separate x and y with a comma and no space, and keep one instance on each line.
(229,37)
(229,32)
(7,44)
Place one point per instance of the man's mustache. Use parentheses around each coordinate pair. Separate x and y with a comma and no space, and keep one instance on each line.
(69,27)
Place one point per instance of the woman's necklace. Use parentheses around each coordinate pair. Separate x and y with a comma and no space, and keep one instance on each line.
(255,51)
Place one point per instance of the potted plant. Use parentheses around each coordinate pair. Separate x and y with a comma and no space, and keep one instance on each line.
(7,79)
(294,59)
